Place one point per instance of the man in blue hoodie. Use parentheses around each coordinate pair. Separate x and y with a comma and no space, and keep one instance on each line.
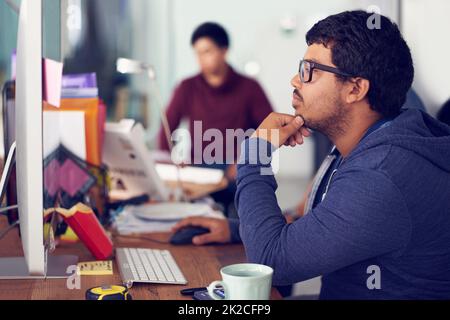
(377,223)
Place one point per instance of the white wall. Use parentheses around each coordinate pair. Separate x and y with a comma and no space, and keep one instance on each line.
(426,27)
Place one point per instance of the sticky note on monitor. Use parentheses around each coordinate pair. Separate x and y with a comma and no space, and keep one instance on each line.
(52,85)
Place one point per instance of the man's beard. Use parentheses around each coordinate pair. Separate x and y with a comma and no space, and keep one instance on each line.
(333,125)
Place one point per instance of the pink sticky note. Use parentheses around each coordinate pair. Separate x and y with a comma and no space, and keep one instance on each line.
(52,75)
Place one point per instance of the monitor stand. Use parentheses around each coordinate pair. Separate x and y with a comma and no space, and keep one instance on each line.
(57,267)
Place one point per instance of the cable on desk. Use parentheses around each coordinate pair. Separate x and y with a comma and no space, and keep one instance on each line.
(6,209)
(13,225)
(140,238)
(7,230)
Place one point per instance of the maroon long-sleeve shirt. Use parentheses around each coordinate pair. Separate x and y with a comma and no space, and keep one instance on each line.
(239,103)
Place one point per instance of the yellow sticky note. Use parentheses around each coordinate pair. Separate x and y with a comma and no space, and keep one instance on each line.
(95,268)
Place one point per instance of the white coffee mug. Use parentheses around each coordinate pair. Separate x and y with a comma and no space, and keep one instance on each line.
(245,281)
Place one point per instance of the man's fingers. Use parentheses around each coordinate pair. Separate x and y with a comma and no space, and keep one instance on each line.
(299,138)
(291,128)
(283,129)
(284,119)
(305,132)
(295,140)
(197,222)
(292,141)
(204,239)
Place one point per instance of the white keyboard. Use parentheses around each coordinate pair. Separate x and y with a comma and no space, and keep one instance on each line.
(148,266)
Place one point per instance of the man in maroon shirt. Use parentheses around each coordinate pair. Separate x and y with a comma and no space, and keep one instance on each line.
(218,98)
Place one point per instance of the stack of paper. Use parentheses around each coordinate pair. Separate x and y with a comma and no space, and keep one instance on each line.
(196,175)
(159,217)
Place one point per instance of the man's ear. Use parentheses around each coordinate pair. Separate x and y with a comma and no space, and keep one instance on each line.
(357,90)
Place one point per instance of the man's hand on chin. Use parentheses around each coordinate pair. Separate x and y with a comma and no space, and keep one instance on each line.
(282,129)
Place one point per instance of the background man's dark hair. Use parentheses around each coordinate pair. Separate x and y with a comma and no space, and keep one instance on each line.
(213,31)
(378,55)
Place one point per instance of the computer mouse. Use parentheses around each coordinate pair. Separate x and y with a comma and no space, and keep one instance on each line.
(185,235)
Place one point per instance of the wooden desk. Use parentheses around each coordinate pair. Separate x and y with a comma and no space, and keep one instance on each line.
(200,265)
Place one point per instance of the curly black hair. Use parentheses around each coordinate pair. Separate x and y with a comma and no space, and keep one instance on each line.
(379,55)
(213,31)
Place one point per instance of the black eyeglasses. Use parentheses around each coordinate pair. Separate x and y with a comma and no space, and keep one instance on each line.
(307,67)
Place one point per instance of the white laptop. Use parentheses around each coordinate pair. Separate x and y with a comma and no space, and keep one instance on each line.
(130,164)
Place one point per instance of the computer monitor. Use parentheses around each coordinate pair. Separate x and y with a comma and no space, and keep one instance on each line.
(29,154)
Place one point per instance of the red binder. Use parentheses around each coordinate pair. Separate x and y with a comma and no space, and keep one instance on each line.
(85,224)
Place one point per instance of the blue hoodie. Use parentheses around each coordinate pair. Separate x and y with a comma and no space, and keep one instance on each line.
(382,231)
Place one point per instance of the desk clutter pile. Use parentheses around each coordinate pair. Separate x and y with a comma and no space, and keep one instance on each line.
(77,183)
(159,217)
